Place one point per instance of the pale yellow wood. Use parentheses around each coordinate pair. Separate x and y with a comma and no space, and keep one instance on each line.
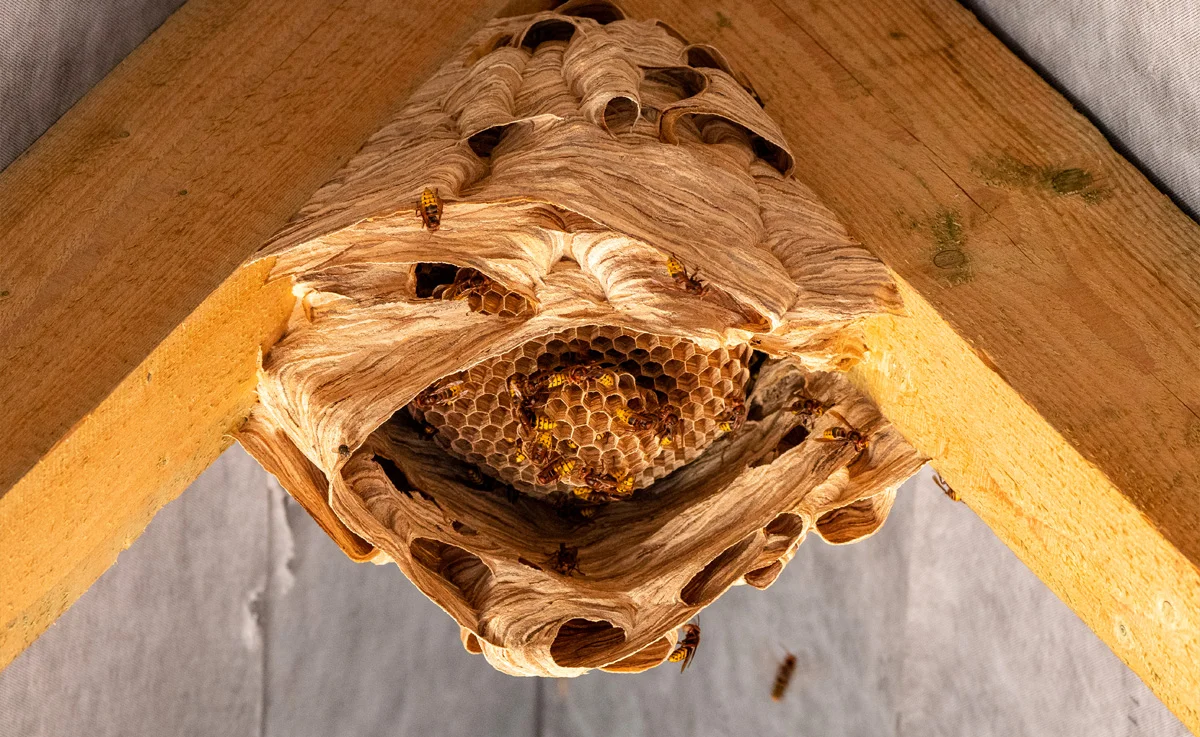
(121,228)
(1067,300)
(1052,365)
(67,518)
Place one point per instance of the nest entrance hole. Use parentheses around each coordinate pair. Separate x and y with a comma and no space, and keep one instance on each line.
(465,575)
(720,573)
(586,643)
(427,277)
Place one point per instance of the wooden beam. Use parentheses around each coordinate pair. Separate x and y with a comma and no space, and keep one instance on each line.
(1051,362)
(130,338)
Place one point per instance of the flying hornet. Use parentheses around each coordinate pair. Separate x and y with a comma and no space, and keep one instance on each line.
(687,646)
(783,676)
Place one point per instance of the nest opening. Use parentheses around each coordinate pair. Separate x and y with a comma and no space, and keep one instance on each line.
(794,437)
(786,525)
(551,29)
(586,643)
(720,573)
(486,140)
(761,578)
(701,56)
(466,576)
(471,644)
(394,475)
(851,522)
(644,659)
(427,277)
(620,114)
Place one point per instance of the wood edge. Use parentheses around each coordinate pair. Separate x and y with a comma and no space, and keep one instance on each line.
(300,478)
(65,520)
(1064,519)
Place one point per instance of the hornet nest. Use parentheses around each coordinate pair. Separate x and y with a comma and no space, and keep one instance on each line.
(568,346)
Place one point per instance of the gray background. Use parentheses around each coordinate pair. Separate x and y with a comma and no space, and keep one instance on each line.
(234,615)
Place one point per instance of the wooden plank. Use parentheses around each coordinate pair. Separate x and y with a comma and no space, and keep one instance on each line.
(1051,365)
(121,228)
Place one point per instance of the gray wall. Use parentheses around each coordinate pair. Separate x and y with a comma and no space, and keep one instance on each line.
(234,615)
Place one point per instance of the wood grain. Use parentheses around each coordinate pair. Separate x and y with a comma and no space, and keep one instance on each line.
(1052,368)
(121,227)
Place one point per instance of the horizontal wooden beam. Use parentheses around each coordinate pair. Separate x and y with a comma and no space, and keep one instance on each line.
(1051,360)
(130,336)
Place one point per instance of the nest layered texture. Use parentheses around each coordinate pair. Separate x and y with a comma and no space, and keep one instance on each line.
(605,387)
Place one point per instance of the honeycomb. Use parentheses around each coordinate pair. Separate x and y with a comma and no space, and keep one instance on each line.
(585,425)
(483,295)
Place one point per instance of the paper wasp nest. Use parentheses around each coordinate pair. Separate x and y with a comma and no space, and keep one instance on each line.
(568,342)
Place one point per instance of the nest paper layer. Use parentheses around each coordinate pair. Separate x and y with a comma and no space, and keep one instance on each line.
(574,152)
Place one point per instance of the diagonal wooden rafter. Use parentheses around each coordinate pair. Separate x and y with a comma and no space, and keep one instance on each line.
(129,335)
(1050,363)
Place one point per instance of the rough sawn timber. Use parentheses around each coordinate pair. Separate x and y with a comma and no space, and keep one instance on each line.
(1054,292)
(1051,363)
(130,336)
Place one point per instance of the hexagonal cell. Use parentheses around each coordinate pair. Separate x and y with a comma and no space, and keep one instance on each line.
(652,368)
(624,343)
(683,350)
(687,382)
(556,407)
(583,436)
(695,364)
(577,414)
